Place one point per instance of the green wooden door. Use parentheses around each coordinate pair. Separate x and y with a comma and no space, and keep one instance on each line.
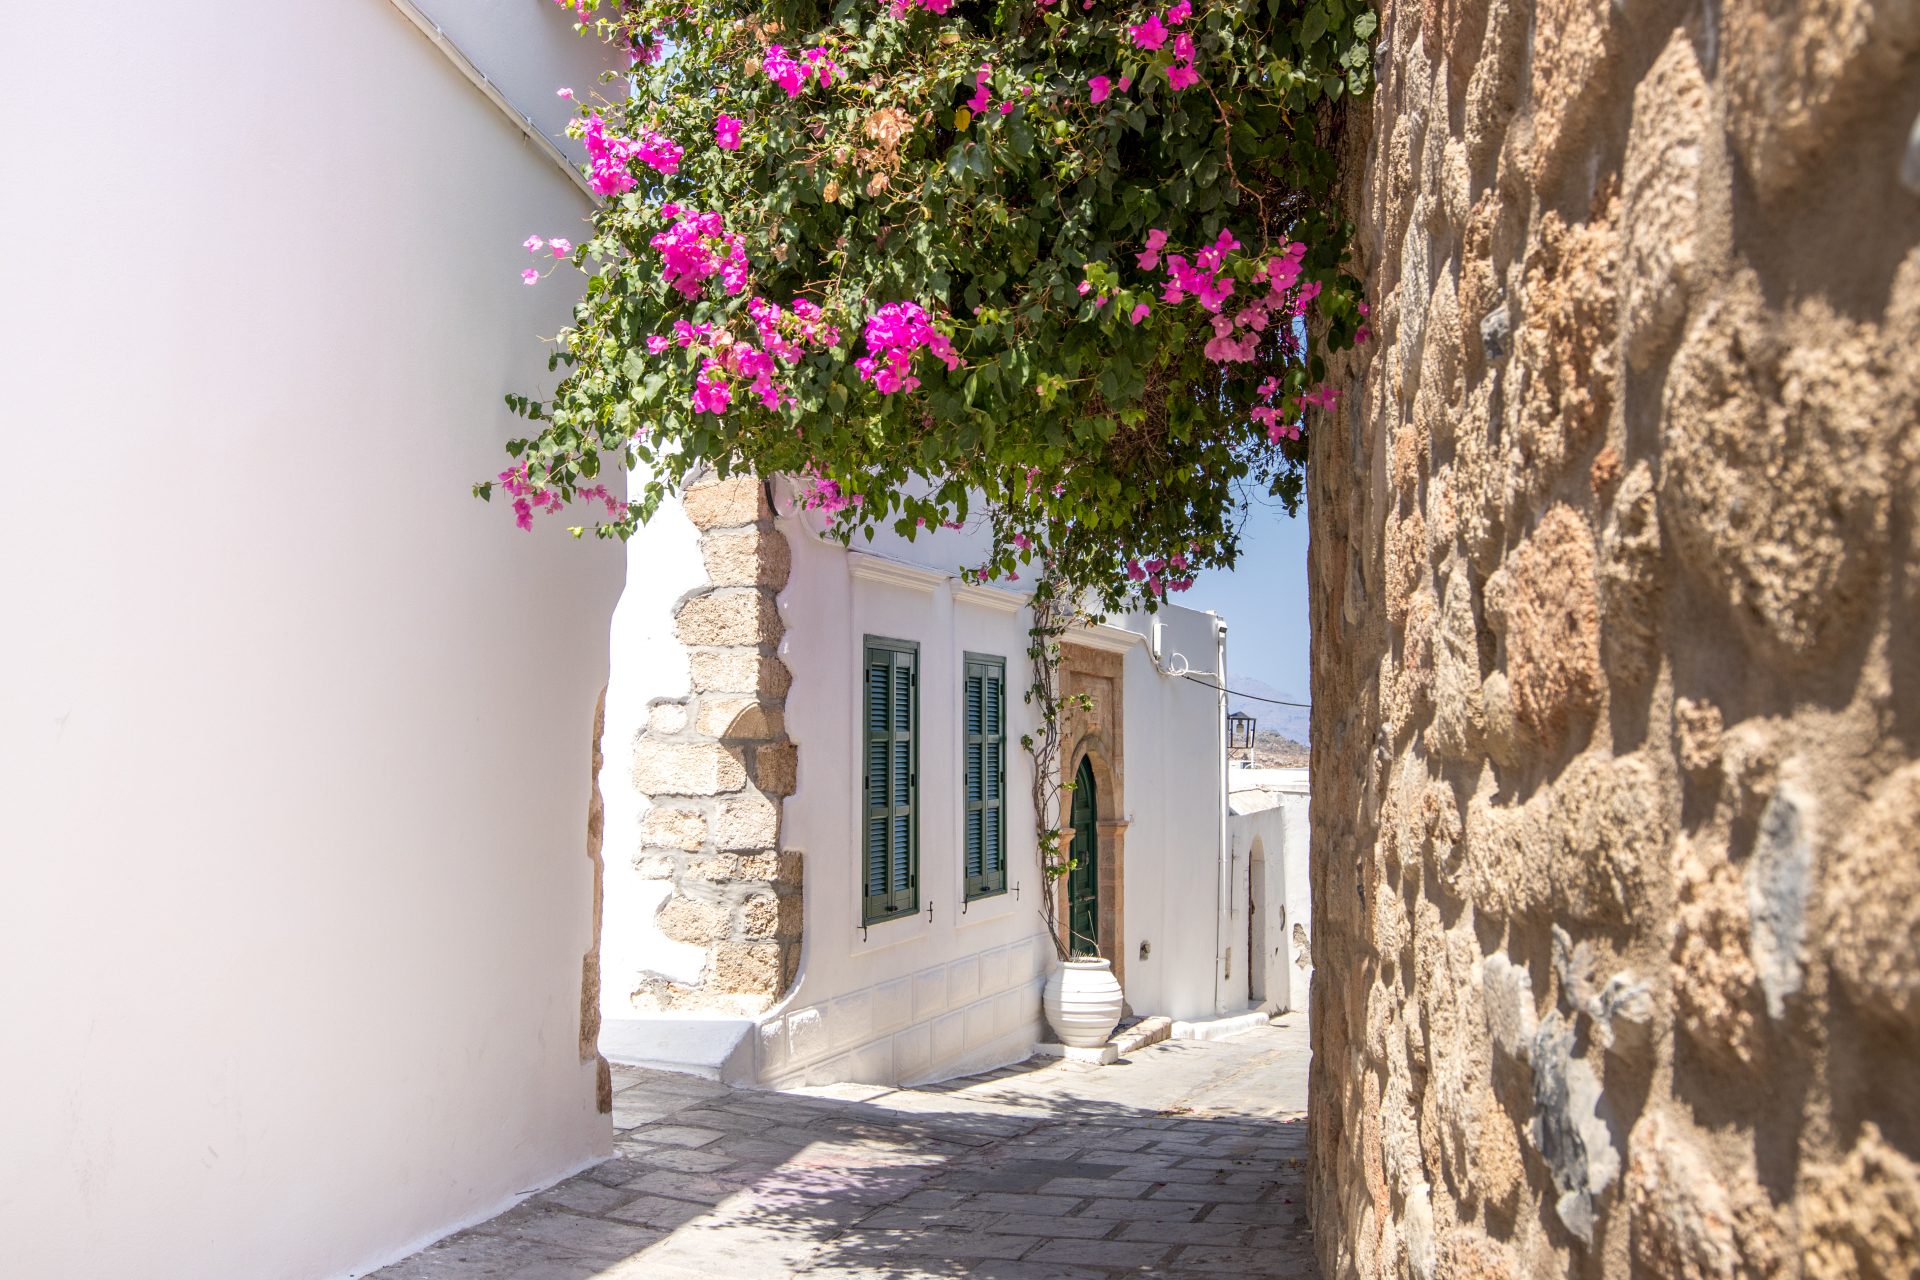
(1083,882)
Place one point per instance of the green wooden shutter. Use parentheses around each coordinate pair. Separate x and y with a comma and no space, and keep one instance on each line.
(891,844)
(983,712)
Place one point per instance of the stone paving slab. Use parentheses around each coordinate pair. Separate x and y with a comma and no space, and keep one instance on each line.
(1186,1159)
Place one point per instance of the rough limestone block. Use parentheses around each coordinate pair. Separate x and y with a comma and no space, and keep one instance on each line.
(685,769)
(737,500)
(731,616)
(676,828)
(690,920)
(1873,888)
(776,769)
(747,558)
(1553,626)
(736,671)
(746,820)
(739,719)
(664,719)
(748,968)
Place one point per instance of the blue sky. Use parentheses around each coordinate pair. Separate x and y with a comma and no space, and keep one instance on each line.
(1264,600)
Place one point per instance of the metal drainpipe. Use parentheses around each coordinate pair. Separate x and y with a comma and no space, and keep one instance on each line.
(1225,885)
(523,122)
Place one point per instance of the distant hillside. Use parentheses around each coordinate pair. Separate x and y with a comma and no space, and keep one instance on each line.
(1286,722)
(1277,751)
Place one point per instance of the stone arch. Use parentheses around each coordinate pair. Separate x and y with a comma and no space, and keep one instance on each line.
(1096,734)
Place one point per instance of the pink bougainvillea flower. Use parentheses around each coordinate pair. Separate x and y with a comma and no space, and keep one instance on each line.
(1321,396)
(1086,287)
(711,391)
(1156,241)
(1140,312)
(533,244)
(1099,87)
(978,102)
(1363,334)
(607,159)
(783,70)
(561,248)
(659,152)
(1148,35)
(894,334)
(726,133)
(1179,13)
(1183,47)
(563,93)
(1182,76)
(530,276)
(1126,83)
(658,343)
(820,66)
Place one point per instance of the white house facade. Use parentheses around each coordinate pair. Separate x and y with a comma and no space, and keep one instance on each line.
(1272,901)
(814,767)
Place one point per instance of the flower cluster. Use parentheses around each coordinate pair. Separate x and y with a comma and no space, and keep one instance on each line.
(785,335)
(894,334)
(1236,334)
(527,496)
(1152,34)
(726,132)
(698,247)
(817,493)
(1157,575)
(901,8)
(792,76)
(609,159)
(1267,414)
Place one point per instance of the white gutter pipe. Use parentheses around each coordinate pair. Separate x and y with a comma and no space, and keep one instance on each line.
(521,121)
(1224,888)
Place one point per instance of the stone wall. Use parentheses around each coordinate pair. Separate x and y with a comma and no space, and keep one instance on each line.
(714,767)
(1615,591)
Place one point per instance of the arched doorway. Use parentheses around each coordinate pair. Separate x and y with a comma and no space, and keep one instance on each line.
(1083,881)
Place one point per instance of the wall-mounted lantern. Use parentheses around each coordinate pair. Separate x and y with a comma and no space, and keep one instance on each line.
(1240,730)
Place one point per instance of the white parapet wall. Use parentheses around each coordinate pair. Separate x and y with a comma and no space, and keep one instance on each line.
(294,733)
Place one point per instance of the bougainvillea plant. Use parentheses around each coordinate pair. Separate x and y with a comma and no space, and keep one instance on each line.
(1068,268)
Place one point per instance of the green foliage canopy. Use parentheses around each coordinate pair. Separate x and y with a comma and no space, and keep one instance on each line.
(1006,167)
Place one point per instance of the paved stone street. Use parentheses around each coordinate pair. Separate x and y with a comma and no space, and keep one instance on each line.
(1186,1159)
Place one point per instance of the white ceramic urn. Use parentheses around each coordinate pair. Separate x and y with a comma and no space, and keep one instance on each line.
(1082,1002)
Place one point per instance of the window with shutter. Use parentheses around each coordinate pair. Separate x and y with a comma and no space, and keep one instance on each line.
(891,852)
(983,715)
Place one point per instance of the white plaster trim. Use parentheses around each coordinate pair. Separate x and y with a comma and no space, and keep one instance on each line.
(521,120)
(992,597)
(898,573)
(1106,637)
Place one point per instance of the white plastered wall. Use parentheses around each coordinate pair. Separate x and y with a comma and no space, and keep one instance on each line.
(955,988)
(1175,801)
(294,733)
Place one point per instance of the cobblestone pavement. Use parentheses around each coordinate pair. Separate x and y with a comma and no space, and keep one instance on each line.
(1186,1159)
